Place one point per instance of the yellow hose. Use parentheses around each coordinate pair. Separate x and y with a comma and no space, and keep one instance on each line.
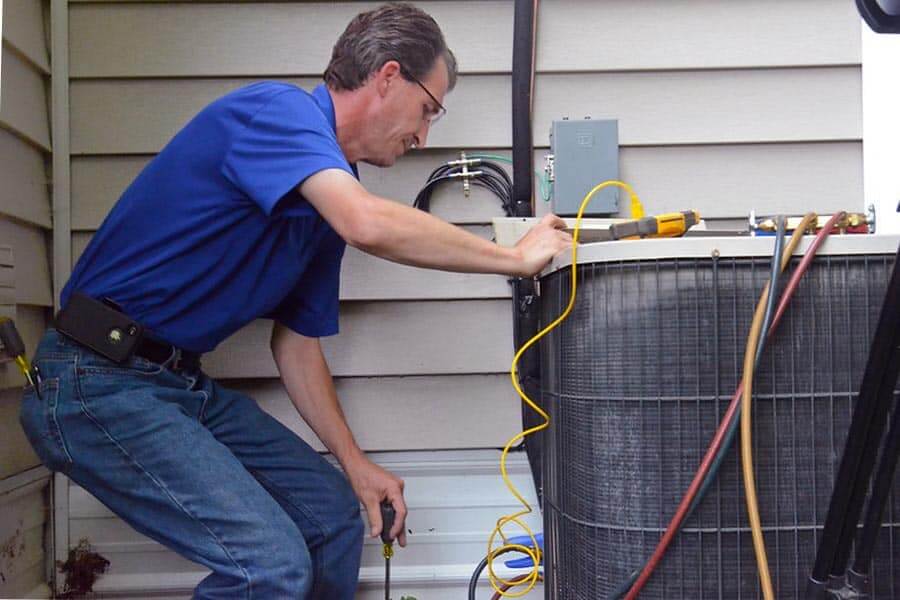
(759,546)
(534,552)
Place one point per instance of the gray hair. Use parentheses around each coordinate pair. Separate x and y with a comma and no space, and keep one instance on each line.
(394,31)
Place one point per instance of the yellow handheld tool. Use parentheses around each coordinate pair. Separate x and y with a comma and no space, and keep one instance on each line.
(664,225)
(15,348)
(387,523)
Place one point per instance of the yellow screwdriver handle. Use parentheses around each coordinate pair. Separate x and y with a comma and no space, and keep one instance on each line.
(675,224)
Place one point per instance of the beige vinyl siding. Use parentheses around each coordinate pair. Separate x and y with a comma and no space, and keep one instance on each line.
(24,30)
(8,374)
(24,194)
(14,447)
(32,273)
(7,281)
(723,181)
(364,277)
(266,38)
(24,201)
(24,109)
(458,415)
(722,107)
(25,285)
(653,108)
(390,338)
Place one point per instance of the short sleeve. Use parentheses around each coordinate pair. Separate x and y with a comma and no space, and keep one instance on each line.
(286,141)
(311,308)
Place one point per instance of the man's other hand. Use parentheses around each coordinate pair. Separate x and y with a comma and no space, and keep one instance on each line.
(544,241)
(373,485)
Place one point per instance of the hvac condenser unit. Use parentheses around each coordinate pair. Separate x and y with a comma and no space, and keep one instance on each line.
(636,381)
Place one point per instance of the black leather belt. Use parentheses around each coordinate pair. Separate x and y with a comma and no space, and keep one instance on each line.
(105,329)
(159,352)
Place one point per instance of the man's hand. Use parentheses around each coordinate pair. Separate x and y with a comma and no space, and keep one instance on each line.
(544,241)
(373,485)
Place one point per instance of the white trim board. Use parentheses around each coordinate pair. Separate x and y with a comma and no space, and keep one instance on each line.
(881,127)
(706,247)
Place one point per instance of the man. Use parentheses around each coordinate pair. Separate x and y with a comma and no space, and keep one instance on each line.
(245,214)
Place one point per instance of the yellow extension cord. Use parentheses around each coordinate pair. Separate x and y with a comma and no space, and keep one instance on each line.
(759,547)
(534,552)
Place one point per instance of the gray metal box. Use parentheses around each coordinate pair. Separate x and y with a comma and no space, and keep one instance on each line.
(585,153)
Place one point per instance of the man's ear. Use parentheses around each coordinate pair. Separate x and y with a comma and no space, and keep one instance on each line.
(390,69)
(386,75)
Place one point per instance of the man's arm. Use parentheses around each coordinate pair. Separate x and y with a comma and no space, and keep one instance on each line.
(308,382)
(406,235)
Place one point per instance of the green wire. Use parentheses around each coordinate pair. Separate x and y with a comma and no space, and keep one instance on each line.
(545,185)
(492,157)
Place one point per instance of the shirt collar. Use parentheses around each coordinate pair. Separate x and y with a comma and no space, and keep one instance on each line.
(326,105)
(323,99)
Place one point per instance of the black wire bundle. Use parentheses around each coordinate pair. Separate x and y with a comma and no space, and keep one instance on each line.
(492,176)
(473,581)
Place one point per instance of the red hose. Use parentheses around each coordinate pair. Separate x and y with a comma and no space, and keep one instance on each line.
(506,586)
(672,529)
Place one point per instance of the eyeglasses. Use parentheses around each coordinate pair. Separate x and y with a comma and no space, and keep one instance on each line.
(432,116)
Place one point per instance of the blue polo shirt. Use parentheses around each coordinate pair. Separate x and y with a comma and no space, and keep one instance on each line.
(214,234)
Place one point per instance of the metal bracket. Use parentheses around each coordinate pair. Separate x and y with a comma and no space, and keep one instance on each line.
(549,167)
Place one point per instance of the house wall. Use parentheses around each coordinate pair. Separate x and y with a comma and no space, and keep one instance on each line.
(25,284)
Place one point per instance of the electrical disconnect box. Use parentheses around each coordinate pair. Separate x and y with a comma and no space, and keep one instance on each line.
(583,154)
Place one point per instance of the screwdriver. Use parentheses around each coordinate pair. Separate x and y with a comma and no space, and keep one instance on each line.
(656,226)
(664,225)
(387,523)
(15,348)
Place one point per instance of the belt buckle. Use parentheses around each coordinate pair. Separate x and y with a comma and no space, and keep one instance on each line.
(176,361)
(184,360)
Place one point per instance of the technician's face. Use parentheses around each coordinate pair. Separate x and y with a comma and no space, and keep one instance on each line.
(411,107)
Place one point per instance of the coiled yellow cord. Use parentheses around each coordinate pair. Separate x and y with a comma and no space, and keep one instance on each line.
(534,552)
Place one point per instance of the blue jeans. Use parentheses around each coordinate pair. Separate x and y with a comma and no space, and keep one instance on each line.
(200,469)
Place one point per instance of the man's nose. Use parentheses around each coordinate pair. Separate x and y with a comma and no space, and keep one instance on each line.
(422,133)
